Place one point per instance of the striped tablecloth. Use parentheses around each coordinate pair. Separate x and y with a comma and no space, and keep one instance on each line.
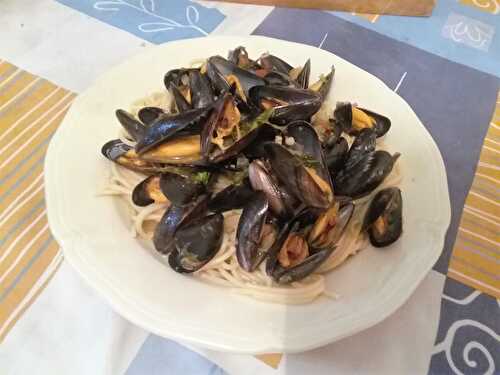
(31,109)
(455,54)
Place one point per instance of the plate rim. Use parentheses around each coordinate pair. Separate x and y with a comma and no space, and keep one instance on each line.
(68,240)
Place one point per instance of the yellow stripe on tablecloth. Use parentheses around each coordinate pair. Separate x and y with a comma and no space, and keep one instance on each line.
(475,260)
(31,109)
(26,283)
(30,298)
(271,359)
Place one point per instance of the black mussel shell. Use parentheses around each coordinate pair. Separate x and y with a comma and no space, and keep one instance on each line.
(148,115)
(134,128)
(172,219)
(239,56)
(180,103)
(271,62)
(344,116)
(363,144)
(180,189)
(167,126)
(384,217)
(303,77)
(365,175)
(281,202)
(148,191)
(125,155)
(275,78)
(255,149)
(322,87)
(322,235)
(302,181)
(196,243)
(201,92)
(300,271)
(233,197)
(336,156)
(178,77)
(218,81)
(289,103)
(248,234)
(246,78)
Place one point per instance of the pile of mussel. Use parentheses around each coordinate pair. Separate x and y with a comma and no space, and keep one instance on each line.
(250,122)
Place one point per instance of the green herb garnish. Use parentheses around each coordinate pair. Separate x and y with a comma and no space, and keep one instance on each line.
(201,177)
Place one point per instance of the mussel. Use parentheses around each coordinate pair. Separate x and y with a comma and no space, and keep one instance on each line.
(180,103)
(167,126)
(196,243)
(363,144)
(134,128)
(172,219)
(292,258)
(364,176)
(271,62)
(255,235)
(330,225)
(148,115)
(281,202)
(232,197)
(149,191)
(243,78)
(336,155)
(201,92)
(182,188)
(354,119)
(289,103)
(125,155)
(384,218)
(239,56)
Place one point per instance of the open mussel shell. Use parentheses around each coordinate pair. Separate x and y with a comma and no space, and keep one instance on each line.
(178,77)
(201,92)
(323,85)
(125,155)
(134,128)
(301,180)
(232,197)
(363,144)
(180,189)
(281,202)
(224,117)
(336,156)
(148,191)
(172,219)
(246,78)
(271,62)
(167,126)
(366,175)
(239,56)
(289,103)
(196,243)
(179,102)
(255,149)
(148,115)
(218,81)
(330,225)
(384,217)
(300,271)
(293,240)
(354,119)
(249,233)
(303,77)
(275,78)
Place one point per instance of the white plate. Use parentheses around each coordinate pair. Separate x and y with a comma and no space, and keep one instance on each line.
(95,236)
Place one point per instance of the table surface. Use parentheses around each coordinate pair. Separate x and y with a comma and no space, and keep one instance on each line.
(447,67)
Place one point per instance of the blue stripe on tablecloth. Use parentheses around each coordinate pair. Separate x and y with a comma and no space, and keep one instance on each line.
(26,268)
(22,221)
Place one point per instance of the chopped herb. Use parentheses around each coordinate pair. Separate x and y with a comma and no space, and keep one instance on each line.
(261,119)
(201,177)
(309,161)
